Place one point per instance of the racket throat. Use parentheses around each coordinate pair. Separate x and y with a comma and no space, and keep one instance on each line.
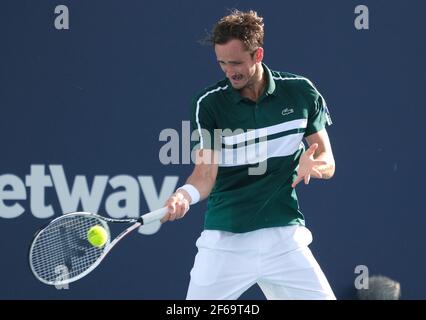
(140,220)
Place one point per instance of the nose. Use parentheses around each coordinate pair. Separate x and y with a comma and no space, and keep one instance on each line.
(229,71)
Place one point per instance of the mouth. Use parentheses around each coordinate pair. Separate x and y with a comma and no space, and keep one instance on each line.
(237,77)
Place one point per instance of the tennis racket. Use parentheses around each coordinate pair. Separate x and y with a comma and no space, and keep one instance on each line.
(60,253)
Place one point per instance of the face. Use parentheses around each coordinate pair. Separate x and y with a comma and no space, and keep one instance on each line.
(239,65)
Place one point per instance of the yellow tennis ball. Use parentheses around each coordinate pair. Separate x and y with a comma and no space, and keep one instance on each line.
(97,236)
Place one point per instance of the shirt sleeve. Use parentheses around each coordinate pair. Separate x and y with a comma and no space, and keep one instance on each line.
(318,116)
(203,125)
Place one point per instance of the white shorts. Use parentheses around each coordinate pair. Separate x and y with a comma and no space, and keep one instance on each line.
(277,259)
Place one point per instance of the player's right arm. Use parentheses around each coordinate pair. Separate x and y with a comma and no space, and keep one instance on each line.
(203,178)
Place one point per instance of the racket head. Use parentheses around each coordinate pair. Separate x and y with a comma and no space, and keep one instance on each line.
(60,253)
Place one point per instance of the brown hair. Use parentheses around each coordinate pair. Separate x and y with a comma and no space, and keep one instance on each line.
(244,26)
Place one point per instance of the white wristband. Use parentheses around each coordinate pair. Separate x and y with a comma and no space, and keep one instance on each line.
(193,192)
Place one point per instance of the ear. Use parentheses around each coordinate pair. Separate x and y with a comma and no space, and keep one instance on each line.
(259,55)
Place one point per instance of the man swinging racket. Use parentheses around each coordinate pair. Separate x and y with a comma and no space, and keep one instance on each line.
(254,231)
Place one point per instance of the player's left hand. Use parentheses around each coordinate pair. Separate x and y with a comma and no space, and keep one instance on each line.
(308,166)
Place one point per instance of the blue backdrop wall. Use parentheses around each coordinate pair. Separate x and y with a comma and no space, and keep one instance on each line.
(82,110)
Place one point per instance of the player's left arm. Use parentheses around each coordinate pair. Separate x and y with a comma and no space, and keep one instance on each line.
(323,152)
(317,161)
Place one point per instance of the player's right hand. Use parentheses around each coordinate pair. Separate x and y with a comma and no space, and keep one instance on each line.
(178,205)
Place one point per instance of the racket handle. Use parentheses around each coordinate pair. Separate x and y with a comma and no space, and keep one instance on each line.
(154,215)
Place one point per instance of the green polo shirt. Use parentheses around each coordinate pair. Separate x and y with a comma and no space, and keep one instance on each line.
(260,144)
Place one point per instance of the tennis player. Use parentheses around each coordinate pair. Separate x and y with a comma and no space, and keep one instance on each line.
(254,231)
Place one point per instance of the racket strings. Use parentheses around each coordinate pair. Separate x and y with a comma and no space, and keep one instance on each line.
(62,252)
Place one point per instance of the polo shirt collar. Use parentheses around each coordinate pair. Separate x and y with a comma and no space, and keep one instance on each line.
(270,87)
